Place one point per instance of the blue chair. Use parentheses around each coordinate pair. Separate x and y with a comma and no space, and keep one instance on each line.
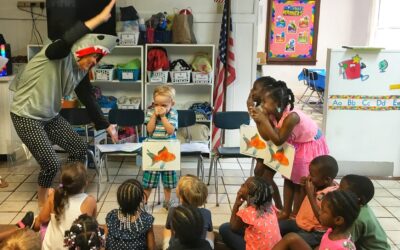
(187,118)
(227,120)
(310,80)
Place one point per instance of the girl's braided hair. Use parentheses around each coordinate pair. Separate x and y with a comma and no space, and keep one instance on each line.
(260,193)
(130,196)
(84,234)
(278,91)
(344,204)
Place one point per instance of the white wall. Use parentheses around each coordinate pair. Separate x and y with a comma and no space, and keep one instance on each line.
(342,22)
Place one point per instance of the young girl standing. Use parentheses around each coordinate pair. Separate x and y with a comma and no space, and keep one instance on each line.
(292,126)
(65,204)
(254,100)
(339,210)
(257,221)
(130,226)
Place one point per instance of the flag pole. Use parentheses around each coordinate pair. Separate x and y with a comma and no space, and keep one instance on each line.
(228,27)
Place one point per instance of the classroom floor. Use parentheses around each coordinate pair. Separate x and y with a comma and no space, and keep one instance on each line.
(20,195)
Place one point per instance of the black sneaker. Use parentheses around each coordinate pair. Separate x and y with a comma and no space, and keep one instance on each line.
(27,221)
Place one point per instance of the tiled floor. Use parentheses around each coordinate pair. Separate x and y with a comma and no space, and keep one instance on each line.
(20,195)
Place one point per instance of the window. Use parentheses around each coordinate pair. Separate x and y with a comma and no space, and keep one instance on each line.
(386,32)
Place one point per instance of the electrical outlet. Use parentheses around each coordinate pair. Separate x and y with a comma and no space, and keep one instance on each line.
(27,4)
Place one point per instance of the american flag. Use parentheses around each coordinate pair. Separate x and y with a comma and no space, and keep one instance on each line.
(225,70)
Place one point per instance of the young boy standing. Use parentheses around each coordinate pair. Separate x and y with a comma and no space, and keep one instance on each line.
(161,123)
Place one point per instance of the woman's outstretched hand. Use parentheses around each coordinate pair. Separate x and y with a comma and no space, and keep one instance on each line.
(102,17)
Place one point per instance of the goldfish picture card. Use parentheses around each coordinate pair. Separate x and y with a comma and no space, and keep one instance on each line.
(161,155)
(278,158)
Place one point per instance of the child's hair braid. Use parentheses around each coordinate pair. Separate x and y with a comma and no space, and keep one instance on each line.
(260,193)
(130,196)
(73,180)
(84,234)
(344,204)
(278,90)
(187,223)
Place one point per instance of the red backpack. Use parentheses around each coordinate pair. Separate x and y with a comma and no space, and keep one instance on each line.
(157,59)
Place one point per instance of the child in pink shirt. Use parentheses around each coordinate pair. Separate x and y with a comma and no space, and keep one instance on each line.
(277,121)
(338,212)
(257,219)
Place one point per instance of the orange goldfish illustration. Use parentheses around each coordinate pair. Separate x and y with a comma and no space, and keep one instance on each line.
(163,156)
(278,156)
(255,142)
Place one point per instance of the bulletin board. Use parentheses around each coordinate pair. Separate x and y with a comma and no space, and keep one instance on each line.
(292,31)
(362,110)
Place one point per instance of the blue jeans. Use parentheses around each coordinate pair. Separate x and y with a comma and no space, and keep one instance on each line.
(234,240)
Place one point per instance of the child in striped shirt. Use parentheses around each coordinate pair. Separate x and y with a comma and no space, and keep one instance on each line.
(161,123)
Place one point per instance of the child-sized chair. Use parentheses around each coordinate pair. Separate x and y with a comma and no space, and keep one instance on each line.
(227,120)
(127,118)
(187,118)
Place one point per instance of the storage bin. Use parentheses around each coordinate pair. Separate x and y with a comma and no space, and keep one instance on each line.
(128,74)
(158,76)
(128,38)
(180,76)
(200,77)
(102,74)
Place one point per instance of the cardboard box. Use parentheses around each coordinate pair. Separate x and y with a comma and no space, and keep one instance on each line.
(261,58)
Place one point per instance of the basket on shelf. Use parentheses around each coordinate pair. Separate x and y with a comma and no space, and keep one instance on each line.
(128,38)
(104,73)
(158,76)
(200,77)
(128,74)
(180,76)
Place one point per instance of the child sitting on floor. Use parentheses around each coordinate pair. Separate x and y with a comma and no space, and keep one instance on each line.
(366,231)
(191,192)
(130,226)
(339,209)
(22,239)
(65,204)
(84,234)
(161,123)
(187,225)
(258,219)
(323,171)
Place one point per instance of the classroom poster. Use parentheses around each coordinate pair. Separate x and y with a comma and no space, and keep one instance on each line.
(161,155)
(279,158)
(292,31)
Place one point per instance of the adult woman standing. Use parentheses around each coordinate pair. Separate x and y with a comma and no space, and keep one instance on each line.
(56,71)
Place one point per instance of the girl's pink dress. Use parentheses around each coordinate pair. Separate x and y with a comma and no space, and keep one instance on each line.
(328,244)
(308,141)
(262,232)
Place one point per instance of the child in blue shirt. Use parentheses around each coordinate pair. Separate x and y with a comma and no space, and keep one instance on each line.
(161,123)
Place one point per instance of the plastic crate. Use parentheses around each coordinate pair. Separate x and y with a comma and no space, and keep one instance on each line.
(128,38)
(180,76)
(200,77)
(101,74)
(128,74)
(158,76)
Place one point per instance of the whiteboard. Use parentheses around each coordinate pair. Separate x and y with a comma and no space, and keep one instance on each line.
(356,132)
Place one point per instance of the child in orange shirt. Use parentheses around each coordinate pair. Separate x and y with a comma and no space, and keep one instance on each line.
(323,170)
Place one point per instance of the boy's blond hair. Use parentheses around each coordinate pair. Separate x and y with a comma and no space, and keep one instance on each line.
(22,239)
(192,191)
(164,90)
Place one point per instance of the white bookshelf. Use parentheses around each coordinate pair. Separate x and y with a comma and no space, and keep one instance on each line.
(186,93)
